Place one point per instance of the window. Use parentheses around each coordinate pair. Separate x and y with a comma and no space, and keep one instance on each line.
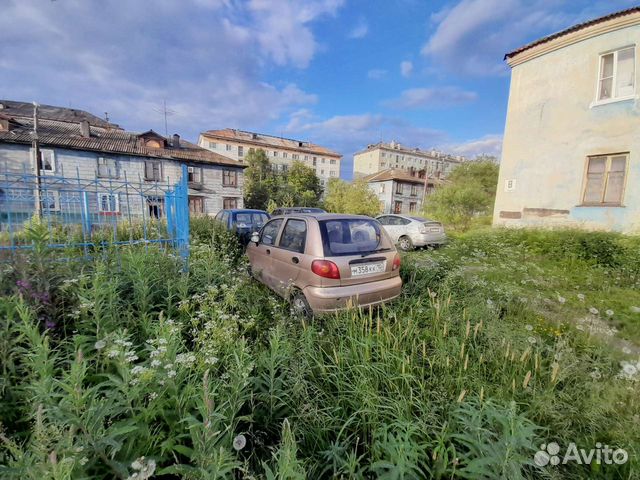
(228,147)
(295,156)
(285,155)
(284,168)
(241,151)
(152,170)
(155,206)
(107,168)
(315,161)
(412,206)
(605,178)
(383,154)
(321,172)
(306,158)
(212,145)
(332,162)
(229,203)
(47,161)
(50,200)
(332,173)
(399,188)
(108,203)
(196,205)
(616,76)
(229,179)
(275,154)
(194,175)
(270,232)
(382,185)
(397,207)
(323,160)
(350,236)
(294,235)
(414,190)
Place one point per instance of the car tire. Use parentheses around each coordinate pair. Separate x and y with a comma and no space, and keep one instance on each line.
(300,307)
(405,244)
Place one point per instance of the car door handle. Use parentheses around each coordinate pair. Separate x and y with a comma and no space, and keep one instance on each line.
(295,259)
(268,252)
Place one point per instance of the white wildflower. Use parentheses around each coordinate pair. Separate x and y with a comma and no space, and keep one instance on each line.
(531,340)
(626,350)
(239,442)
(171,373)
(593,311)
(581,297)
(529,327)
(609,313)
(83,461)
(138,370)
(561,299)
(596,375)
(156,363)
(100,344)
(113,353)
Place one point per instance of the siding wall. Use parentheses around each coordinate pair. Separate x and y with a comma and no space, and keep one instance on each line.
(82,164)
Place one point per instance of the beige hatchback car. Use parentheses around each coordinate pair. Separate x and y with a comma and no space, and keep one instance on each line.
(326,262)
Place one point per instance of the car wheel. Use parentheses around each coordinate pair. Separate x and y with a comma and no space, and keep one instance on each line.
(299,306)
(405,244)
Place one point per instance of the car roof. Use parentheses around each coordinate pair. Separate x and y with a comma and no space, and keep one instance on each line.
(245,210)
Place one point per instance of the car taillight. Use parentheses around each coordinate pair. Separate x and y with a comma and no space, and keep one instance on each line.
(396,262)
(325,268)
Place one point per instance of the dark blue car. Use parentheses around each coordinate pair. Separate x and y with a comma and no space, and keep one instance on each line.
(243,221)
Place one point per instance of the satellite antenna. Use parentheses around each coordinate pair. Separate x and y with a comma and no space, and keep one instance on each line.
(165,112)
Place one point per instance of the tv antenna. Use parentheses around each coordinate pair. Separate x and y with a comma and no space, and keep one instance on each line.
(165,112)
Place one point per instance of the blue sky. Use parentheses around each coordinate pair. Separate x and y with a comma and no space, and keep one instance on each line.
(342,73)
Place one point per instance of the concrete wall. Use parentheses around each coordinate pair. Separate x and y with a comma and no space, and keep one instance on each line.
(552,127)
(324,167)
(378,159)
(388,196)
(74,164)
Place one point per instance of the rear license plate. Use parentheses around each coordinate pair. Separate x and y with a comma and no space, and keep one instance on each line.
(368,268)
(435,229)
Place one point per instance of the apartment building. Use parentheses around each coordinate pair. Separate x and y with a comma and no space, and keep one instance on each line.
(382,156)
(400,191)
(76,146)
(571,153)
(236,144)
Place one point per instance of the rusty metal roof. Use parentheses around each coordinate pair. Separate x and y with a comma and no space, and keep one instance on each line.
(50,112)
(263,140)
(65,134)
(399,175)
(575,28)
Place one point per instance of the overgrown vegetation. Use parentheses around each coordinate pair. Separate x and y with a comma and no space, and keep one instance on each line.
(130,368)
(466,199)
(351,197)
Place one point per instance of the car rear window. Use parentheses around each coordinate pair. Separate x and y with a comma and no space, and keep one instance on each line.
(350,236)
(250,219)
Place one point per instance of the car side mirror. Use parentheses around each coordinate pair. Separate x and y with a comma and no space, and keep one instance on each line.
(255,238)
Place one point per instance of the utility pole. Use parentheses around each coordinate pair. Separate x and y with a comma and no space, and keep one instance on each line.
(426,184)
(36,155)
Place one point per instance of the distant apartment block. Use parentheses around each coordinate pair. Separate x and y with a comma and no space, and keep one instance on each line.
(382,156)
(400,191)
(282,152)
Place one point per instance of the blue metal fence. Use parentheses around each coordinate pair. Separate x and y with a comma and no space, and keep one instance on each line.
(86,213)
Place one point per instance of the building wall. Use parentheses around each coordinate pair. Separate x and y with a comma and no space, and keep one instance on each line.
(326,167)
(552,127)
(386,193)
(83,165)
(376,159)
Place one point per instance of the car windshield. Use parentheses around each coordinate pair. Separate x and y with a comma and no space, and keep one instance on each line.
(246,219)
(420,219)
(350,236)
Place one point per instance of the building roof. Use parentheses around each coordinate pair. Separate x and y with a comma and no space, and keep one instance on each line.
(398,175)
(572,29)
(263,140)
(65,134)
(50,112)
(397,147)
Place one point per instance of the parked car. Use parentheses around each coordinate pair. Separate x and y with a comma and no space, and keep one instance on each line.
(292,210)
(326,262)
(243,221)
(409,232)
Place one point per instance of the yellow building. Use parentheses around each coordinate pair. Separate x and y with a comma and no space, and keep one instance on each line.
(282,152)
(382,156)
(571,153)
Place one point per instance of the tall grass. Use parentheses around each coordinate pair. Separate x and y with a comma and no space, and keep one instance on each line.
(146,370)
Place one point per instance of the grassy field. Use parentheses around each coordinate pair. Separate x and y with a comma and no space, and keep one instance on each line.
(129,368)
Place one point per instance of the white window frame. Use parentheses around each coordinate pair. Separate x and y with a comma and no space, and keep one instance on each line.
(54,163)
(213,145)
(101,195)
(195,171)
(55,196)
(240,151)
(159,179)
(614,87)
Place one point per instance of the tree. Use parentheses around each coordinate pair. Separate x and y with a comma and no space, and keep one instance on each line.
(258,178)
(265,188)
(467,197)
(355,197)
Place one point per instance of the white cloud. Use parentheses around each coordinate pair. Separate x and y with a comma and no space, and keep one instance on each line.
(487,145)
(431,98)
(406,68)
(473,36)
(376,73)
(360,30)
(199,55)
